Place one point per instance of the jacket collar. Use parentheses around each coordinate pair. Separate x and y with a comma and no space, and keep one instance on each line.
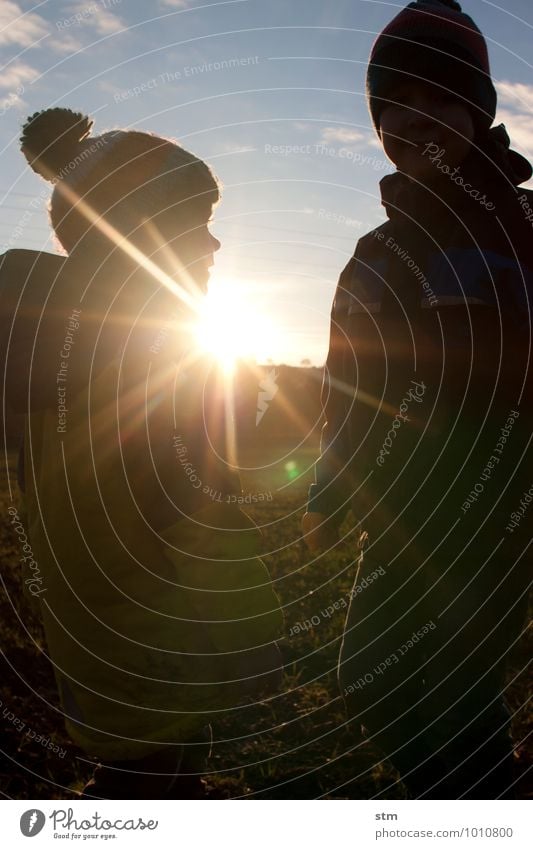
(493,163)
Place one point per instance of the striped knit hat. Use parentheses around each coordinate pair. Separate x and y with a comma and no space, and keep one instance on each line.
(433,40)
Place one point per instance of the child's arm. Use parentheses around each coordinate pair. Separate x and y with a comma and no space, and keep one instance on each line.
(12,367)
(25,280)
(329,496)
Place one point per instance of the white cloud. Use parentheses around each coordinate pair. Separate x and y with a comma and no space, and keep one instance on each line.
(67,44)
(516,95)
(515,113)
(95,15)
(230,148)
(302,126)
(105,22)
(341,134)
(108,87)
(26,29)
(520,129)
(18,27)
(14,76)
(373,141)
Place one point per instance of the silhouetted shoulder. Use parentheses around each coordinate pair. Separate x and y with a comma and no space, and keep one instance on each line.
(23,270)
(371,243)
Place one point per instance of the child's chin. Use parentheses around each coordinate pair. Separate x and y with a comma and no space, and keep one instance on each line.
(202,281)
(420,172)
(200,277)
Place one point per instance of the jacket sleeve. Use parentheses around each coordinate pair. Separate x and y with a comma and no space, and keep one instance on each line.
(28,342)
(331,492)
(12,363)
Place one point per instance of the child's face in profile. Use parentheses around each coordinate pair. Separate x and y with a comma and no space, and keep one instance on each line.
(419,114)
(199,254)
(189,237)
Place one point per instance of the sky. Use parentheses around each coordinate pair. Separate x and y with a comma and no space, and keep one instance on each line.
(272,94)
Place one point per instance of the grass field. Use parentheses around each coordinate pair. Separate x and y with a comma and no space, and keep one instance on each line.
(295,746)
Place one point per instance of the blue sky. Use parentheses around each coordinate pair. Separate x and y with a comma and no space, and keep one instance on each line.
(270,93)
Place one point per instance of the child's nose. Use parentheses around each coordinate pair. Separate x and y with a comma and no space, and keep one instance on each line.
(421,115)
(215,244)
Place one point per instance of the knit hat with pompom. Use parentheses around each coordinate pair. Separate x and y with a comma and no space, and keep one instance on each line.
(124,176)
(434,41)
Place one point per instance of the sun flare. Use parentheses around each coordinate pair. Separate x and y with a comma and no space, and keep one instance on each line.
(230,326)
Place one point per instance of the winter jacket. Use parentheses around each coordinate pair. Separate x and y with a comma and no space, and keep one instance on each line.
(428,386)
(158,612)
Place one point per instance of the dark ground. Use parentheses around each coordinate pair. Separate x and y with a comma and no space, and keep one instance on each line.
(296,746)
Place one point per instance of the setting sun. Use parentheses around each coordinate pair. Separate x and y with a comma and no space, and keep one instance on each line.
(230,326)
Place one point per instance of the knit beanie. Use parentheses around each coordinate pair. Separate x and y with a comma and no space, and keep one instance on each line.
(124,176)
(434,41)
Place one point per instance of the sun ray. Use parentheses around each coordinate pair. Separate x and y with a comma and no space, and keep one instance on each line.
(182,292)
(231,326)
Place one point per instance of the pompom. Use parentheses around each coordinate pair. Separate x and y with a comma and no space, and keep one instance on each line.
(50,140)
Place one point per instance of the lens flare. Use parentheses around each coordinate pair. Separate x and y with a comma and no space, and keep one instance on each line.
(230,326)
(292,470)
